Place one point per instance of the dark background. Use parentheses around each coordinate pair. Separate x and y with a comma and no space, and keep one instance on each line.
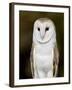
(26,21)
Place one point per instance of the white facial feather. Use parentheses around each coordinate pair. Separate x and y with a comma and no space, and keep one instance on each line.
(44,31)
(44,41)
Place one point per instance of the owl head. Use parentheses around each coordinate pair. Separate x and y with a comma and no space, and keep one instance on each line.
(44,30)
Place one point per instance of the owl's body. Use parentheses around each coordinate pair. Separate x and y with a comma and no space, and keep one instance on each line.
(42,53)
(43,60)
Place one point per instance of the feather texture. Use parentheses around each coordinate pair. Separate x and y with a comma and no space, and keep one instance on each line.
(44,53)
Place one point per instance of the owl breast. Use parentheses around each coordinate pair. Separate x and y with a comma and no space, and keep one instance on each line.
(44,57)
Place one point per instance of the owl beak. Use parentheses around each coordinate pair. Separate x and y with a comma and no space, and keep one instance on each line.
(42,35)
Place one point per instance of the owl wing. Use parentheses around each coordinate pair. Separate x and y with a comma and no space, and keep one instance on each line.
(31,60)
(55,61)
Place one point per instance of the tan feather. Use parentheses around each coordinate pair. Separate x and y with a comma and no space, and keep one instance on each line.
(31,60)
(55,61)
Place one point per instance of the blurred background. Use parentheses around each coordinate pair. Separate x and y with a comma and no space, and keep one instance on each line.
(26,21)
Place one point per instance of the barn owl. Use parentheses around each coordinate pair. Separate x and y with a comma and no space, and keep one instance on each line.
(44,54)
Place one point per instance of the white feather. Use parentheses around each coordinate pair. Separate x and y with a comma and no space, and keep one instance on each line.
(43,47)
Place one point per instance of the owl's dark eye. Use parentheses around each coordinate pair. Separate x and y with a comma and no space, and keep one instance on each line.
(38,29)
(47,28)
